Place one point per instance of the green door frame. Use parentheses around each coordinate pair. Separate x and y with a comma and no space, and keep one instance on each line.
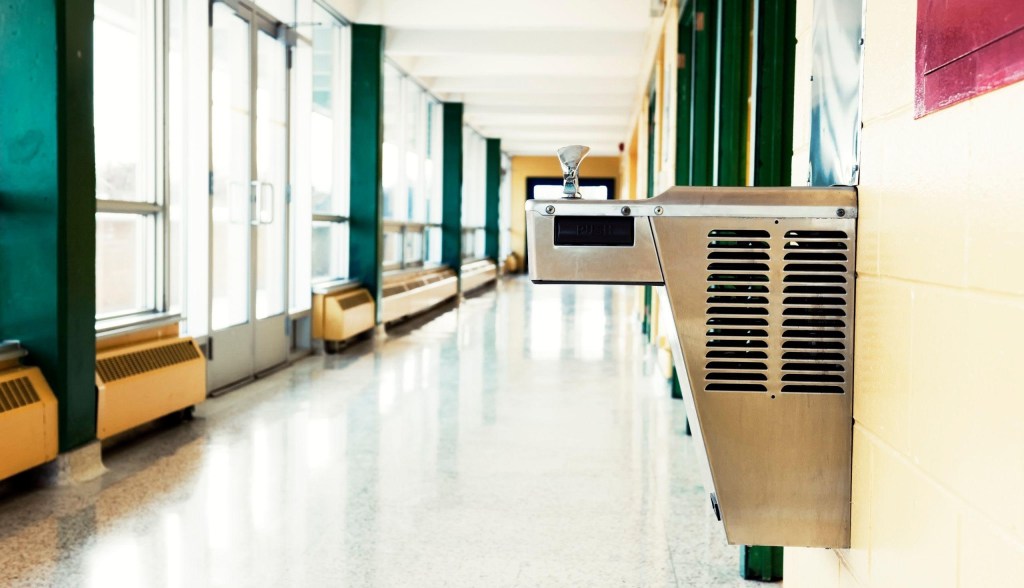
(702,119)
(734,49)
(776,59)
(684,96)
(713,121)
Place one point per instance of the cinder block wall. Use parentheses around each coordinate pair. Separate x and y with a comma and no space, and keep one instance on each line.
(938,479)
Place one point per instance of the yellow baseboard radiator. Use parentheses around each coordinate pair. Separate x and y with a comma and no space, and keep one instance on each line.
(146,375)
(478,273)
(28,414)
(340,313)
(408,293)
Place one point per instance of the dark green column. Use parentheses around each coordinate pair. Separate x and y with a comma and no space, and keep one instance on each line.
(451,190)
(365,237)
(493,240)
(48,200)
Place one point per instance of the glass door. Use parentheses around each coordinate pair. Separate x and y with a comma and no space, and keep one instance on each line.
(270,295)
(248,170)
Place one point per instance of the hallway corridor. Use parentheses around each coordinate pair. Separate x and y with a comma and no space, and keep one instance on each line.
(522,439)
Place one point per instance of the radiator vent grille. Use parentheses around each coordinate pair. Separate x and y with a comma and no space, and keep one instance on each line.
(118,367)
(736,340)
(17,393)
(816,293)
(354,300)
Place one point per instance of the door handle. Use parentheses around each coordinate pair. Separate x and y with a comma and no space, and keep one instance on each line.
(254,202)
(261,214)
(267,213)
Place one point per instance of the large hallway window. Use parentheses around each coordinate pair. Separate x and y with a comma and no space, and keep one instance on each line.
(131,212)
(474,193)
(329,151)
(411,173)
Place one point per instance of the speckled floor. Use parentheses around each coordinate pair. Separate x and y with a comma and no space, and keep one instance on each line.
(523,439)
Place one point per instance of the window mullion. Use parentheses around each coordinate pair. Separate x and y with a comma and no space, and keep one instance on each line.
(161,294)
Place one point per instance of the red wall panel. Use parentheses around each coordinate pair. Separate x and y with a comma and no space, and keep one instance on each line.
(966,48)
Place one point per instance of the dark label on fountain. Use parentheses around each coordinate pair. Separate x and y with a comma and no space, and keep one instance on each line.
(594,231)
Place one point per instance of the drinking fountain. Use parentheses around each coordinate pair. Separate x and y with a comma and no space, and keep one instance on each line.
(760,285)
(570,157)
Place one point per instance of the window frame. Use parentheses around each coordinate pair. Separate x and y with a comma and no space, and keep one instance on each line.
(474,195)
(428,142)
(156,208)
(339,216)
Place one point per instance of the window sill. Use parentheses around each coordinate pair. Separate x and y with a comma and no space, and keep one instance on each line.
(113,327)
(11,351)
(412,269)
(334,286)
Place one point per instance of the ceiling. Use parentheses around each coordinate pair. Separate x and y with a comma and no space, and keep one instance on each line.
(538,74)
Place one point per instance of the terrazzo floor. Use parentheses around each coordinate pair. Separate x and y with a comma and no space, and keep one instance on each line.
(524,438)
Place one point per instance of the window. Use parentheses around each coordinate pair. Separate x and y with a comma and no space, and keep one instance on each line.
(281,9)
(319,162)
(474,193)
(329,152)
(131,218)
(551,188)
(411,173)
(141,166)
(434,181)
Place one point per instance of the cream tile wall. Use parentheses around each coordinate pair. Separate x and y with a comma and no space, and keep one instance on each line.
(938,480)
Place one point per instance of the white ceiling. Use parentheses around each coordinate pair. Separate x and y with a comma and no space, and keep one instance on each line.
(538,74)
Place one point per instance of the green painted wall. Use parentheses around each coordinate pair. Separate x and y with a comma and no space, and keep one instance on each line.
(451,190)
(367,128)
(47,200)
(493,239)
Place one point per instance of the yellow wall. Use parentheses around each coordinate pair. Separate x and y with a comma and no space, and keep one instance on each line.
(938,474)
(524,167)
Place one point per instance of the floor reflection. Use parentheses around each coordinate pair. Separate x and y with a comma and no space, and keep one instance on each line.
(520,439)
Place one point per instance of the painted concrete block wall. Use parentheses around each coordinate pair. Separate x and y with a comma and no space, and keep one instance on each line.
(938,481)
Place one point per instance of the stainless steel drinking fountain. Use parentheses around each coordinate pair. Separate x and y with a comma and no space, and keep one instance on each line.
(760,284)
